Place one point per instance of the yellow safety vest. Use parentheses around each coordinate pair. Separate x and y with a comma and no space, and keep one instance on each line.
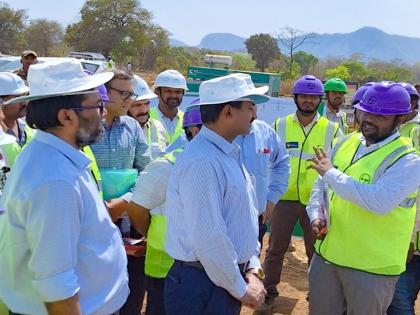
(300,149)
(322,110)
(96,175)
(178,130)
(153,135)
(158,262)
(406,130)
(12,150)
(361,239)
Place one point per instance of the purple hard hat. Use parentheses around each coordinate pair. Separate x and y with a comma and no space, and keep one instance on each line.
(385,98)
(410,88)
(308,84)
(103,93)
(192,116)
(357,97)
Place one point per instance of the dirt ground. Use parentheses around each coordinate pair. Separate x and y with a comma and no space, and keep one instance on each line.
(294,283)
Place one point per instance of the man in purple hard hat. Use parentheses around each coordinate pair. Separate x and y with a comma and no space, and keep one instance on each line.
(150,193)
(357,97)
(300,131)
(362,209)
(413,118)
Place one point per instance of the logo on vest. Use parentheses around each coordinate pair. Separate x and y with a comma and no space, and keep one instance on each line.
(364,178)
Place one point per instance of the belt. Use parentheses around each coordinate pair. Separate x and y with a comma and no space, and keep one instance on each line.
(198,265)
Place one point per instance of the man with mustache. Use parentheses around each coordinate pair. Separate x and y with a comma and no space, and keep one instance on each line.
(362,209)
(12,86)
(59,251)
(140,110)
(300,131)
(170,87)
(335,91)
(123,149)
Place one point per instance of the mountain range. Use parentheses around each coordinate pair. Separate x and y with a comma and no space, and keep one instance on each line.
(370,42)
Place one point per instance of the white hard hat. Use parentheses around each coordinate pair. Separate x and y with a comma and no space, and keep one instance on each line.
(12,84)
(171,79)
(232,87)
(58,78)
(141,89)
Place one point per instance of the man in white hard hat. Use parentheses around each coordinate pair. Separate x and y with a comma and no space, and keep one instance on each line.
(12,86)
(170,87)
(140,110)
(211,209)
(60,253)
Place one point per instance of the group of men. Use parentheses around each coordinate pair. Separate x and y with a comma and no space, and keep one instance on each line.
(190,195)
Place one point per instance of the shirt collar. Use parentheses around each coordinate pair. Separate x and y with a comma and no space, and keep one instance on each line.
(162,115)
(119,120)
(317,116)
(74,155)
(227,147)
(379,144)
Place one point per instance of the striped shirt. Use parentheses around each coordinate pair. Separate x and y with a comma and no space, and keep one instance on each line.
(123,146)
(211,211)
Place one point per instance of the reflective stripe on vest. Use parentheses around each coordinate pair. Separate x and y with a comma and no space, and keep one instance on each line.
(158,262)
(407,129)
(96,175)
(178,130)
(322,110)
(300,149)
(361,239)
(153,133)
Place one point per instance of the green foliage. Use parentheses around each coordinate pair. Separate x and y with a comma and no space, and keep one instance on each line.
(12,25)
(242,61)
(340,71)
(263,49)
(305,61)
(43,35)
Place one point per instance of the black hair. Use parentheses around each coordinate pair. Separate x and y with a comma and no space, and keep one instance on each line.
(42,113)
(188,133)
(210,113)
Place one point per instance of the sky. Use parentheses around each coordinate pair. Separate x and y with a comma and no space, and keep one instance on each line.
(190,20)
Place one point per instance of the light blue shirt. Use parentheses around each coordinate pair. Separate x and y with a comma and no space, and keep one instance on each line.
(211,211)
(56,237)
(123,146)
(265,157)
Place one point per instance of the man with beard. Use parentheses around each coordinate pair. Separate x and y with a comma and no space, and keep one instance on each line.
(301,132)
(362,209)
(59,251)
(335,91)
(123,150)
(170,87)
(12,86)
(140,110)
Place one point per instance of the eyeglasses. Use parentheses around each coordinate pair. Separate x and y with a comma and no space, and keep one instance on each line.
(101,107)
(124,94)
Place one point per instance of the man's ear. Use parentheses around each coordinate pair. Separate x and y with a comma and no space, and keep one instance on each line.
(227,111)
(66,117)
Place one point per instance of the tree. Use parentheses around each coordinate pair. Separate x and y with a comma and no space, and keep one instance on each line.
(106,23)
(43,35)
(305,61)
(263,49)
(340,71)
(12,25)
(291,39)
(243,61)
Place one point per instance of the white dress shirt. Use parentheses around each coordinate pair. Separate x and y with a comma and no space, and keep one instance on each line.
(211,211)
(398,182)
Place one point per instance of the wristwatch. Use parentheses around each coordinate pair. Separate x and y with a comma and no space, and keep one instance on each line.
(258,272)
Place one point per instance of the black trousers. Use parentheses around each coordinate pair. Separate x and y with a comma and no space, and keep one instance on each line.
(136,283)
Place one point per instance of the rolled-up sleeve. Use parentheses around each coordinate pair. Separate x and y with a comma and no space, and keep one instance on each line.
(208,232)
(279,169)
(53,229)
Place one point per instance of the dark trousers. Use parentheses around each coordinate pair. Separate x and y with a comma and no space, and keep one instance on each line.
(189,291)
(407,289)
(155,296)
(282,221)
(137,286)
